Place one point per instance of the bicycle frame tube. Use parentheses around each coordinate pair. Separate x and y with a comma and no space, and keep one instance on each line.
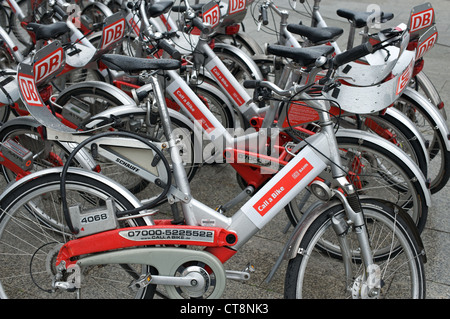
(318,21)
(16,9)
(222,76)
(280,190)
(11,46)
(180,91)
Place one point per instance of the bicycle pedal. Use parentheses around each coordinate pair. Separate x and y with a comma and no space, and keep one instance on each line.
(17,154)
(241,275)
(142,282)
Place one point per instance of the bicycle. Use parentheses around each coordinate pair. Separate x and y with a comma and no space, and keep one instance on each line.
(424,114)
(28,134)
(196,273)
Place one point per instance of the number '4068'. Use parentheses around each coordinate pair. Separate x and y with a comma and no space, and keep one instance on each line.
(94,218)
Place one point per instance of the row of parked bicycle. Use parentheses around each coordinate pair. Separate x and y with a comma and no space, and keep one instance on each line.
(110,108)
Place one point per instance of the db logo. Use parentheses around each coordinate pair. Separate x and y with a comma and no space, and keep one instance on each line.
(236,6)
(212,16)
(404,78)
(28,90)
(421,20)
(48,65)
(426,45)
(113,33)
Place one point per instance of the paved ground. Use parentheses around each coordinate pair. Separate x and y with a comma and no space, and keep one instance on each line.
(264,248)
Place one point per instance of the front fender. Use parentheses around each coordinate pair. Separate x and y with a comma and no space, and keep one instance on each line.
(399,116)
(427,86)
(439,121)
(390,147)
(241,55)
(118,93)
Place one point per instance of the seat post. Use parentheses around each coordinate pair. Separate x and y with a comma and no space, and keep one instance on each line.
(365,35)
(351,35)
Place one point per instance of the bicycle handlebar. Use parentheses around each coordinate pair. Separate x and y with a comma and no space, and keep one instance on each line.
(197,22)
(167,47)
(61,15)
(264,17)
(352,54)
(254,84)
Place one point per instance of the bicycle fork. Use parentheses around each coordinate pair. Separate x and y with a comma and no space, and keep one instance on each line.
(369,284)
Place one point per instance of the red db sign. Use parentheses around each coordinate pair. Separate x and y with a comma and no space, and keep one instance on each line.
(421,20)
(48,65)
(28,90)
(113,33)
(212,16)
(235,6)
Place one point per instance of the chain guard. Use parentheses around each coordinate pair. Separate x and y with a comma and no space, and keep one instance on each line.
(175,262)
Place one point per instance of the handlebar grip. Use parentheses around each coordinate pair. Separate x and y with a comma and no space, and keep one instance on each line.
(61,14)
(197,22)
(167,47)
(352,54)
(265,20)
(196,7)
(251,84)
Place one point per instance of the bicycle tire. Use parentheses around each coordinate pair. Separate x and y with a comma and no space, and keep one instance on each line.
(47,153)
(438,153)
(325,275)
(31,226)
(19,32)
(400,135)
(403,190)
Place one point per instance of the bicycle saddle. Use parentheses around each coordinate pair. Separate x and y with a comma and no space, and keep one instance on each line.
(360,19)
(303,56)
(156,9)
(124,63)
(316,35)
(48,31)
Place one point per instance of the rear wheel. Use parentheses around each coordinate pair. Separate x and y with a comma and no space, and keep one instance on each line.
(32,229)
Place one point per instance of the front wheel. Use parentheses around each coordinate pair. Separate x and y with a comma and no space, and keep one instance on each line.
(317,273)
